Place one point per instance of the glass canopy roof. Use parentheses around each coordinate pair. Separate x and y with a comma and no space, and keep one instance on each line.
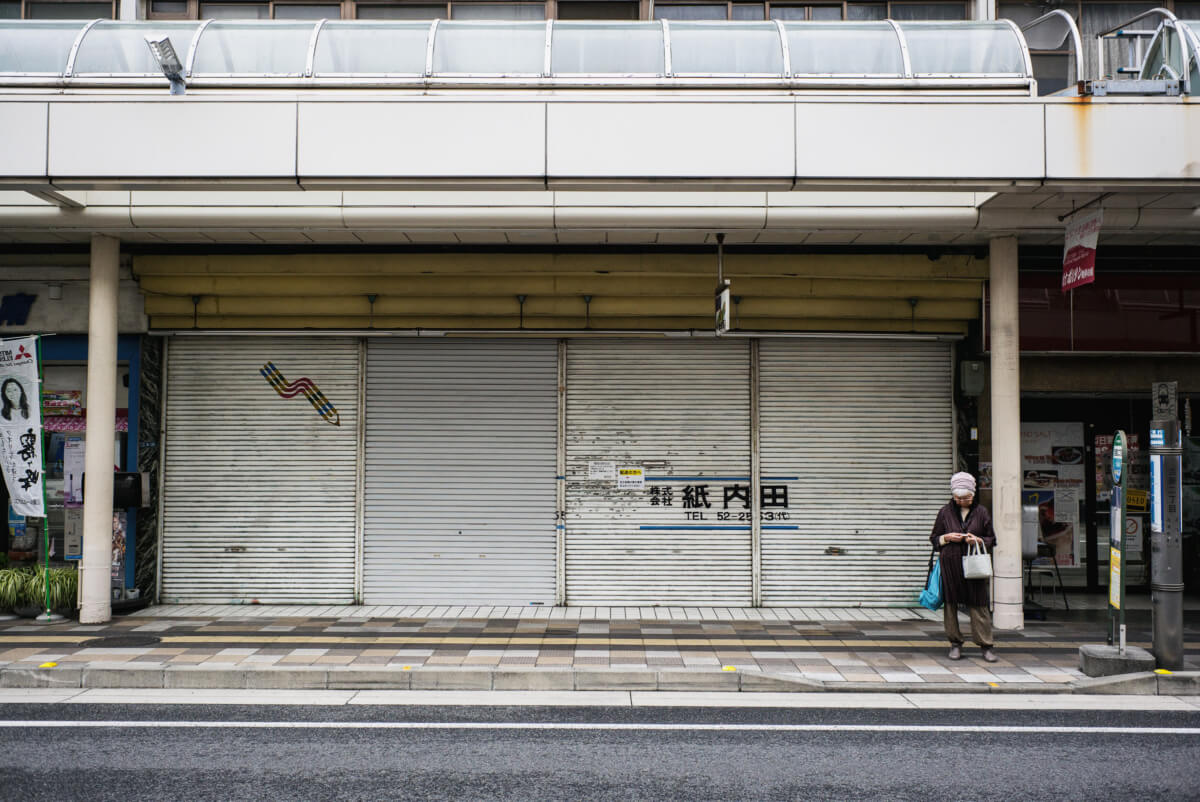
(217,52)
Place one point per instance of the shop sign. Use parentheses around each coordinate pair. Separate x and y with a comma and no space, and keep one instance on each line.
(1079,250)
(21,426)
(1137,500)
(720,503)
(722,307)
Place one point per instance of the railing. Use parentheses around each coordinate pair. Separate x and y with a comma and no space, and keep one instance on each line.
(1049,31)
(1135,52)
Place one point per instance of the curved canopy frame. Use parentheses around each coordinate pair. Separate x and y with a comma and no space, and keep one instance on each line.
(1174,53)
(566,53)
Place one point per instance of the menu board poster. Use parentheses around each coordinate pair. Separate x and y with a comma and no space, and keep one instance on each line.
(1052,470)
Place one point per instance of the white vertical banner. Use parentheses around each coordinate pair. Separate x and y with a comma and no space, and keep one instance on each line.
(21,426)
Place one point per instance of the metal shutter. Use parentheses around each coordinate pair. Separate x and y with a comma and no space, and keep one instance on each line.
(681,410)
(259,494)
(860,433)
(460,471)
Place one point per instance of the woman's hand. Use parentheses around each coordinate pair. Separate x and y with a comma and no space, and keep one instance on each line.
(954,537)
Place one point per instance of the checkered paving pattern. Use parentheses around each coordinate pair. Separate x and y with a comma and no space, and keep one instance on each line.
(904,647)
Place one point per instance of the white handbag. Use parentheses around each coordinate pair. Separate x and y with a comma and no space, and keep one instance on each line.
(977,563)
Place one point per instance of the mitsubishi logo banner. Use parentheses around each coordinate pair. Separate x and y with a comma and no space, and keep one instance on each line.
(21,426)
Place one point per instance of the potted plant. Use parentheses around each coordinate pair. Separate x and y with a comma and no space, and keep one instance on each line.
(23,590)
(12,587)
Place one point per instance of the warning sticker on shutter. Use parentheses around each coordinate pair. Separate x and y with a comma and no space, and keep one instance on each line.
(631,478)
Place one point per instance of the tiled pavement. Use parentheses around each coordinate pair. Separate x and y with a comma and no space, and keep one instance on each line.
(833,646)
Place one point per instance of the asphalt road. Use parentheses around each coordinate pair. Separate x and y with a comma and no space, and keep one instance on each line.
(199,752)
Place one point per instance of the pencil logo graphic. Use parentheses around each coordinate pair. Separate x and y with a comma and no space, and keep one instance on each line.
(302,386)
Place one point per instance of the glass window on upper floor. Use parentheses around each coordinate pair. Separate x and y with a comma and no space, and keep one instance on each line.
(235,11)
(168,8)
(928,11)
(400,11)
(858,12)
(690,11)
(748,11)
(307,11)
(497,11)
(597,10)
(46,9)
(10,9)
(812,13)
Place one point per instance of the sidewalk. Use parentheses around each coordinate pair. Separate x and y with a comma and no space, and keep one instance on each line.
(544,648)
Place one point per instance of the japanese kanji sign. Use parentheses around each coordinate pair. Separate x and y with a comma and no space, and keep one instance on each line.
(1079,250)
(21,426)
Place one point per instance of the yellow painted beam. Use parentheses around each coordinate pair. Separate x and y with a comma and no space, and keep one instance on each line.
(535,306)
(909,266)
(510,323)
(546,285)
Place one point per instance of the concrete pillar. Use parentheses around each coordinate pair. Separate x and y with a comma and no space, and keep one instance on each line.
(99,451)
(1006,433)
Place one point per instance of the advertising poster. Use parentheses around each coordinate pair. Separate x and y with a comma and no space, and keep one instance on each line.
(1052,470)
(21,426)
(1137,472)
(73,471)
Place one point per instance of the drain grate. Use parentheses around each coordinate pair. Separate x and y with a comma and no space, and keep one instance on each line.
(121,641)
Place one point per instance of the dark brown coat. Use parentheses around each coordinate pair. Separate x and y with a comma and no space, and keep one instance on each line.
(955,588)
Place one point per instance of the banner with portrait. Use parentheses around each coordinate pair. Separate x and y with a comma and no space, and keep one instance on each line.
(21,426)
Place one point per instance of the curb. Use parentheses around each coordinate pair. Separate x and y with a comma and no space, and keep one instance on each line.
(1184,683)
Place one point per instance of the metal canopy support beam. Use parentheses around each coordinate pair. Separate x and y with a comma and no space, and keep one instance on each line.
(100,456)
(1006,433)
(59,199)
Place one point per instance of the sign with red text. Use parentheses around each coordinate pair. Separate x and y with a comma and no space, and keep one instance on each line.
(1079,250)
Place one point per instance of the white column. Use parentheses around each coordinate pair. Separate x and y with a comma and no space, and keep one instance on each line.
(99,450)
(1006,433)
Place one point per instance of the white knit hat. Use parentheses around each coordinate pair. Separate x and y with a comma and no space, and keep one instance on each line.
(962,484)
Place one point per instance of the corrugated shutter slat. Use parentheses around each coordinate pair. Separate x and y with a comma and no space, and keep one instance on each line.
(259,490)
(862,430)
(681,409)
(460,466)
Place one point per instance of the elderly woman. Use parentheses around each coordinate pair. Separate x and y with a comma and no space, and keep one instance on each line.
(960,523)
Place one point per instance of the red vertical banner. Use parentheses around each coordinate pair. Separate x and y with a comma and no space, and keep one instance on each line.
(1079,250)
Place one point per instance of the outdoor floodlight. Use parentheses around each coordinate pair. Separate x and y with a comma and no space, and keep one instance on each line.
(168,62)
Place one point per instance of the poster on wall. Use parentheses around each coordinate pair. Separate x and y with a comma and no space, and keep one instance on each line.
(1052,470)
(73,471)
(21,426)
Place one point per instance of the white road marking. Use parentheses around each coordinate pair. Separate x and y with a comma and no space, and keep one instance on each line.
(624,727)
